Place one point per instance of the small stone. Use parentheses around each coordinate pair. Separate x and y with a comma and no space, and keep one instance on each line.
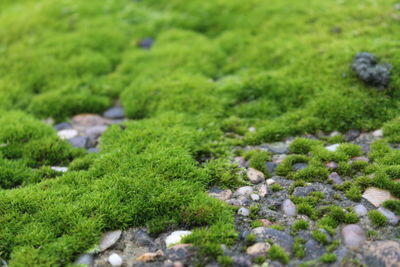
(114,113)
(392,218)
(84,259)
(334,133)
(332,148)
(255,176)
(79,141)
(299,166)
(353,235)
(241,261)
(258,249)
(377,196)
(150,256)
(378,133)
(109,239)
(244,190)
(142,239)
(252,129)
(176,237)
(383,253)
(281,238)
(270,181)
(180,252)
(59,169)
(95,132)
(271,166)
(223,195)
(67,134)
(278,148)
(360,210)
(62,126)
(115,259)
(89,120)
(146,43)
(266,222)
(335,177)
(350,135)
(255,197)
(331,165)
(289,208)
(240,161)
(240,201)
(262,190)
(244,212)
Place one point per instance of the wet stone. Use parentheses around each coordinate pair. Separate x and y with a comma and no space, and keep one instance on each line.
(146,43)
(244,212)
(353,236)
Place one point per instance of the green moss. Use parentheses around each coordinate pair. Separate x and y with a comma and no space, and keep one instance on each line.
(391,130)
(278,227)
(350,150)
(225,261)
(285,167)
(258,159)
(303,145)
(257,223)
(332,247)
(306,209)
(393,205)
(276,187)
(354,193)
(377,218)
(320,237)
(251,239)
(299,225)
(298,248)
(278,253)
(328,258)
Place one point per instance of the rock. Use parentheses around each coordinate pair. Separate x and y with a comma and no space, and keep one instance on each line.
(335,177)
(223,195)
(93,150)
(266,222)
(59,169)
(262,190)
(255,197)
(390,216)
(383,253)
(331,165)
(281,238)
(334,133)
(313,249)
(240,201)
(360,210)
(142,239)
(302,191)
(84,259)
(109,239)
(350,135)
(377,196)
(115,259)
(180,252)
(270,181)
(79,141)
(353,236)
(244,191)
(146,43)
(244,212)
(114,113)
(95,132)
(378,133)
(299,166)
(258,249)
(252,129)
(255,176)
(240,161)
(278,148)
(67,134)
(289,208)
(62,126)
(271,166)
(89,120)
(332,148)
(176,237)
(241,261)
(369,71)
(150,256)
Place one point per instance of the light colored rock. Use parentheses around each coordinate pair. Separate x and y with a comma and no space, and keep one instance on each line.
(331,165)
(109,239)
(270,181)
(176,237)
(222,195)
(240,161)
(360,210)
(255,176)
(335,177)
(334,133)
(377,196)
(378,133)
(258,249)
(255,197)
(67,134)
(252,129)
(383,253)
(115,259)
(244,190)
(333,147)
(59,169)
(84,259)
(244,212)
(390,216)
(150,256)
(289,208)
(262,190)
(89,120)
(353,236)
(266,222)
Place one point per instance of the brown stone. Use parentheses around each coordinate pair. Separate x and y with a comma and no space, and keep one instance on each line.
(377,196)
(258,249)
(89,120)
(222,195)
(255,176)
(150,256)
(383,253)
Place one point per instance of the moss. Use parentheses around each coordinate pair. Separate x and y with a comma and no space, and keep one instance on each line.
(299,225)
(391,130)
(257,223)
(278,227)
(298,248)
(328,258)
(258,159)
(276,187)
(225,261)
(278,253)
(223,173)
(303,145)
(251,239)
(377,218)
(393,205)
(351,150)
(354,193)
(312,174)
(306,209)
(285,167)
(320,237)
(332,247)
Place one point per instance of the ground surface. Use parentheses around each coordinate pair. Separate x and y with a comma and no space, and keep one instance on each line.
(200,90)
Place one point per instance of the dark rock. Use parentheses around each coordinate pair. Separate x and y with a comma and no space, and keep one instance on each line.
(383,253)
(146,43)
(241,261)
(350,135)
(271,166)
(142,239)
(62,126)
(281,238)
(114,113)
(313,249)
(79,141)
(180,252)
(368,70)
(303,191)
(299,166)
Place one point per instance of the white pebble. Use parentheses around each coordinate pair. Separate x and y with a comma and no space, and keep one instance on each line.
(244,212)
(67,134)
(176,237)
(115,259)
(255,197)
(59,169)
(270,181)
(332,148)
(377,133)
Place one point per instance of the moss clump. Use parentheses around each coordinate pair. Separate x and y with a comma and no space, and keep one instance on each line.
(276,187)
(303,145)
(350,150)
(354,193)
(391,130)
(328,258)
(225,261)
(306,209)
(251,239)
(258,159)
(299,225)
(278,253)
(257,223)
(298,248)
(286,166)
(393,205)
(320,237)
(377,218)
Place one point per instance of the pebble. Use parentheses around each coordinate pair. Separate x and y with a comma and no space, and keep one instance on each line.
(241,261)
(150,256)
(180,252)
(331,165)
(332,148)
(262,190)
(84,259)
(114,113)
(335,177)
(392,218)
(255,176)
(299,166)
(67,134)
(360,210)
(270,181)
(115,259)
(109,239)
(289,208)
(244,212)
(258,249)
(146,43)
(223,195)
(353,236)
(378,133)
(271,166)
(383,253)
(255,197)
(350,135)
(62,126)
(252,129)
(79,141)
(240,161)
(142,239)
(95,132)
(176,237)
(334,133)
(281,238)
(376,196)
(59,169)
(244,190)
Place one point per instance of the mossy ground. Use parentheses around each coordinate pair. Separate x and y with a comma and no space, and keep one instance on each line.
(216,66)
